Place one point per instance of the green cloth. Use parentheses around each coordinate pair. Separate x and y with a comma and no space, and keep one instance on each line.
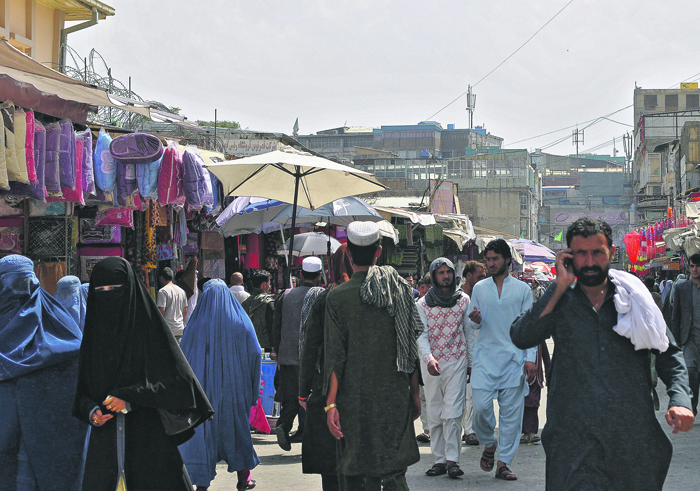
(433,242)
(373,400)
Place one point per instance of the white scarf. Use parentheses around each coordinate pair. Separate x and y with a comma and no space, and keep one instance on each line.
(638,317)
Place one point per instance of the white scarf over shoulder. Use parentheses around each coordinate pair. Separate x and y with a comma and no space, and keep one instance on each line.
(638,317)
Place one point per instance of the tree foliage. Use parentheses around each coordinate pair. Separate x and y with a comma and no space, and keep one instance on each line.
(220,124)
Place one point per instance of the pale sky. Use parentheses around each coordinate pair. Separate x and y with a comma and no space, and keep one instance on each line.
(331,63)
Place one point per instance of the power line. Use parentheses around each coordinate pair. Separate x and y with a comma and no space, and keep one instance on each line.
(499,65)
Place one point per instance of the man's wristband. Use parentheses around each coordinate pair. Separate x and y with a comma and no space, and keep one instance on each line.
(329,407)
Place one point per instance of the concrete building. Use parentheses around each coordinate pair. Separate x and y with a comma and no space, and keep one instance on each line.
(590,185)
(37,27)
(665,148)
(423,140)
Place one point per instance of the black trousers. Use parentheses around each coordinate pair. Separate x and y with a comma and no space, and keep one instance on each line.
(289,398)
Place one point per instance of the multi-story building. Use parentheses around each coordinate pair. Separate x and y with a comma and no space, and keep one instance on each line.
(37,27)
(590,185)
(423,140)
(665,148)
(498,189)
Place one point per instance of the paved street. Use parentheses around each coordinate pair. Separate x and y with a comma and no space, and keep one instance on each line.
(282,470)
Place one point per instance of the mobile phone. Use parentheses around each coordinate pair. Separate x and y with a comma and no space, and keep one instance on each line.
(568,263)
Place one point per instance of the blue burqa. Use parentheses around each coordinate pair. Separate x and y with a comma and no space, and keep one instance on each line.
(221,346)
(41,445)
(73,297)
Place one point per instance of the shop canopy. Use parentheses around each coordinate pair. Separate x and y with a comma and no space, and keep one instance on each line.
(28,83)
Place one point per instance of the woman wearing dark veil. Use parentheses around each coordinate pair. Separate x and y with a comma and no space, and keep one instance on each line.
(134,387)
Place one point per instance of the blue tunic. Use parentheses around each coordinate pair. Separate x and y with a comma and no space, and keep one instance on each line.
(222,348)
(41,445)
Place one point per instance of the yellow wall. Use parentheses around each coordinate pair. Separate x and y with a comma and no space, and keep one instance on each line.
(33,28)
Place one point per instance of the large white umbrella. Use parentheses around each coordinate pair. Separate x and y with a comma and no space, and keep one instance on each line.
(294,177)
(309,244)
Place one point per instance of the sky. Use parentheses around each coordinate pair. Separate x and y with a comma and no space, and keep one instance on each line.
(332,63)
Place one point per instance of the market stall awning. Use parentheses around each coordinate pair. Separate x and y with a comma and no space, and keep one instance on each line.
(424,219)
(28,83)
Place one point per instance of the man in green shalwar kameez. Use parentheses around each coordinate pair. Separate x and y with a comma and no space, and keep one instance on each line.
(371,361)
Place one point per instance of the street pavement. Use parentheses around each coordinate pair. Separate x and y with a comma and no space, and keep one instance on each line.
(279,470)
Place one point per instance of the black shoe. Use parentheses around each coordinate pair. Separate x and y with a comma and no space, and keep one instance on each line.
(296,437)
(283,439)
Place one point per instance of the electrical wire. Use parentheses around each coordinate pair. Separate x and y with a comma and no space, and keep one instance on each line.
(501,63)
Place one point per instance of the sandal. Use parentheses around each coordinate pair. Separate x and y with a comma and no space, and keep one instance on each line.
(246,485)
(454,471)
(487,459)
(471,439)
(506,474)
(436,470)
(423,438)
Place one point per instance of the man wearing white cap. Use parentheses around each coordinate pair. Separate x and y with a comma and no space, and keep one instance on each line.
(371,369)
(285,334)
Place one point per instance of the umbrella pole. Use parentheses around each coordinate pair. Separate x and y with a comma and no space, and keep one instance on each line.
(297,177)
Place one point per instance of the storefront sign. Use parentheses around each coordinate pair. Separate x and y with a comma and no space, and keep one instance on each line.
(240,146)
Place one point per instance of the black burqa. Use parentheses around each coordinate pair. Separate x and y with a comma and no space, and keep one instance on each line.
(129,352)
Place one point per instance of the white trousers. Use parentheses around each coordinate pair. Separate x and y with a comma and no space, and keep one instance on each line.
(444,397)
(468,411)
(511,405)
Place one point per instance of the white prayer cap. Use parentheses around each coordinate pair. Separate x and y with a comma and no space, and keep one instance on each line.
(311,265)
(363,233)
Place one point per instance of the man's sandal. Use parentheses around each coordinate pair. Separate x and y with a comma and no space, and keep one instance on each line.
(505,473)
(436,470)
(471,439)
(454,471)
(487,459)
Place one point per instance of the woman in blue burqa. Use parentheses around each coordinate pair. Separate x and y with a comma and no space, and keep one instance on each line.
(41,446)
(73,297)
(134,387)
(220,344)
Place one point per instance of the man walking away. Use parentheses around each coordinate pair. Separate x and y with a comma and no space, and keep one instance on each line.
(237,287)
(446,347)
(260,307)
(371,369)
(474,272)
(685,324)
(285,335)
(600,415)
(172,303)
(501,370)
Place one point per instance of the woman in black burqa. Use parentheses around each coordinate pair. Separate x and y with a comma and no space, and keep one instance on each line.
(135,388)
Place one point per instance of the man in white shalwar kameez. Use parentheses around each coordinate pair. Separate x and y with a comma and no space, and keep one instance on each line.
(501,371)
(446,347)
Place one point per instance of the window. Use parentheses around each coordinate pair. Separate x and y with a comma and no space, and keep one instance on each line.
(671,102)
(523,203)
(692,100)
(650,101)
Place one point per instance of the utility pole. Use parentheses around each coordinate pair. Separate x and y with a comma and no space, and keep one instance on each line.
(627,146)
(471,105)
(577,137)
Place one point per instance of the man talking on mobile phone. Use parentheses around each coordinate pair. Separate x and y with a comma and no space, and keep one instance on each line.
(601,430)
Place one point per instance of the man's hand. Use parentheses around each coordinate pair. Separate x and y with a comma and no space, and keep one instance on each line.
(475,316)
(333,418)
(565,269)
(530,371)
(416,406)
(434,368)
(681,418)
(114,404)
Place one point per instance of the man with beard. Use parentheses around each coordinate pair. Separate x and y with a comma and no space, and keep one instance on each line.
(446,347)
(501,370)
(601,430)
